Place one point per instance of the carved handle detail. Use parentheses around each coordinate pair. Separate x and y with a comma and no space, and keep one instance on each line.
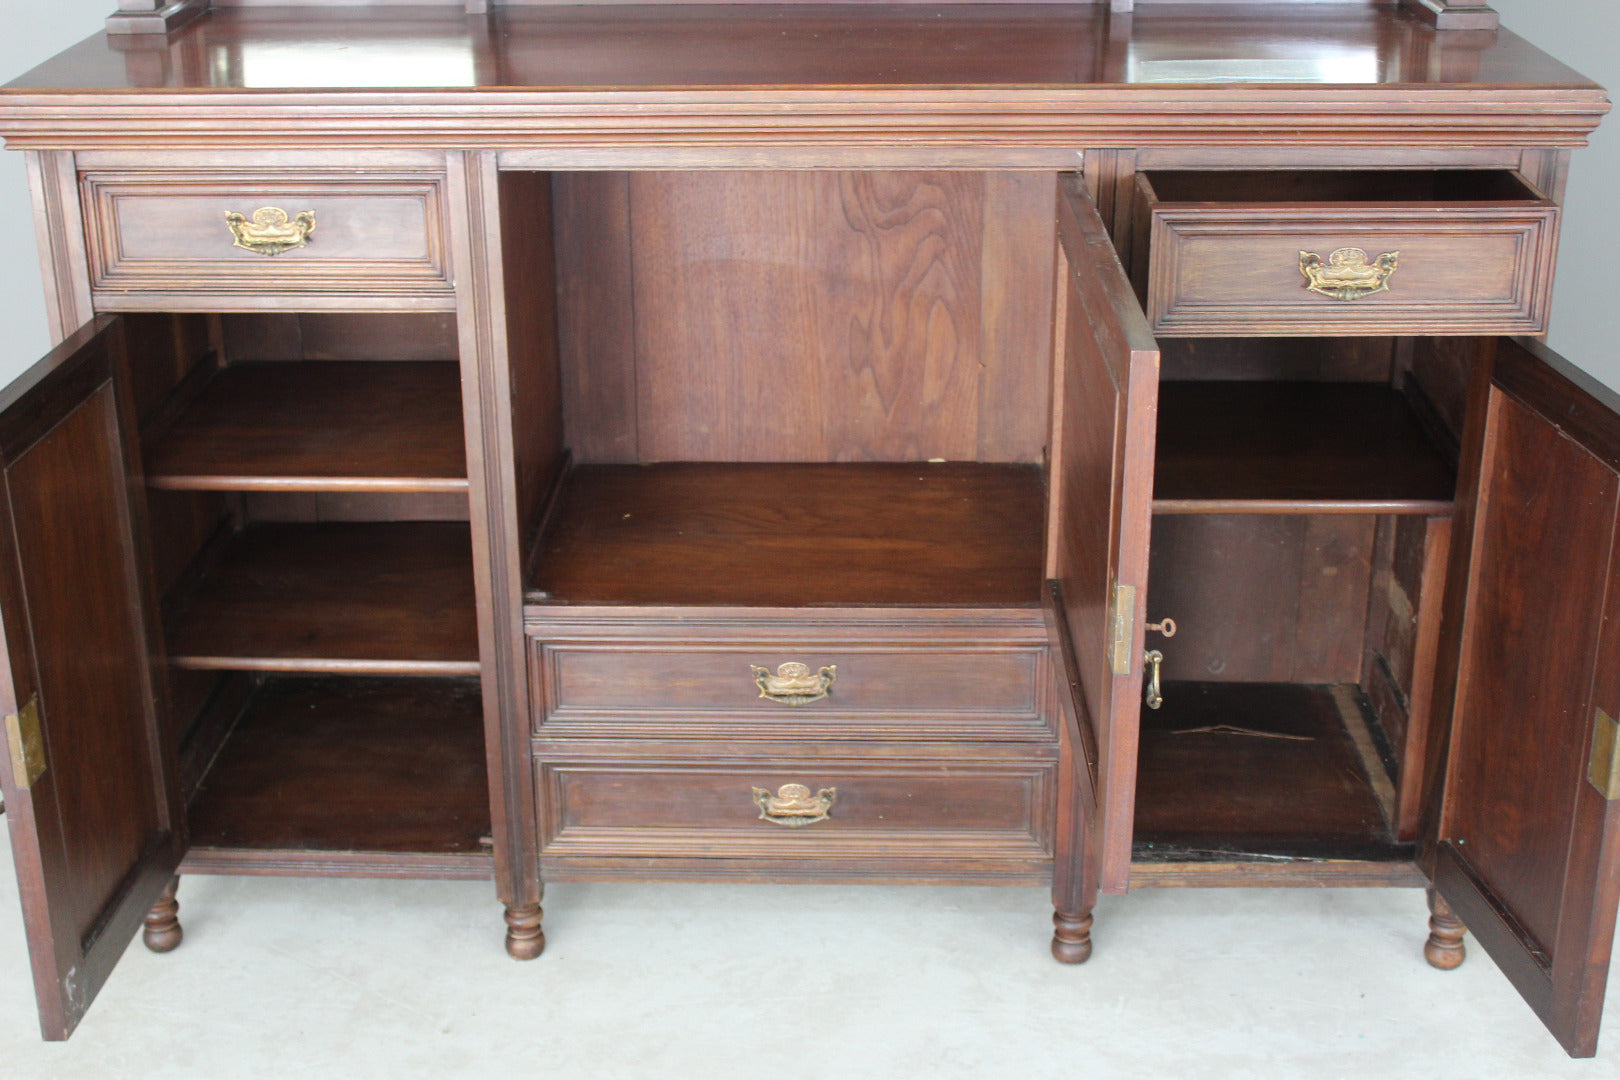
(793,684)
(794,806)
(270,231)
(1348,273)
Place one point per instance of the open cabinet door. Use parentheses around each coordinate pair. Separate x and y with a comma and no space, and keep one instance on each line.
(1526,847)
(1104,403)
(91,796)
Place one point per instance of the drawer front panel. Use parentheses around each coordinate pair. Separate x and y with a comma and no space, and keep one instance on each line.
(993,690)
(902,819)
(1224,271)
(170,237)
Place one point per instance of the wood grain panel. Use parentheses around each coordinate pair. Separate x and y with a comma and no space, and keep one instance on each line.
(889,691)
(359,598)
(343,766)
(1403,629)
(795,535)
(1526,847)
(1287,783)
(596,335)
(1304,447)
(1476,251)
(811,316)
(164,233)
(328,426)
(529,269)
(1528,660)
(315,335)
(1280,359)
(97,835)
(911,817)
(1016,315)
(1333,593)
(807,316)
(1232,585)
(66,497)
(1104,408)
(1262,597)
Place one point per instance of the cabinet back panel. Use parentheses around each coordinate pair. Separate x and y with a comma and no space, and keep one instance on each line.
(806,316)
(318,336)
(1320,359)
(1262,597)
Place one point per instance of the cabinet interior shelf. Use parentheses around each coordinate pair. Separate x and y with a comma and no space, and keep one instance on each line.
(1295,447)
(793,535)
(368,598)
(1259,770)
(340,426)
(334,772)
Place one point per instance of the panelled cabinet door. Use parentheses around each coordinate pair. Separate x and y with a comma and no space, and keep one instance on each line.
(1527,844)
(91,796)
(1105,401)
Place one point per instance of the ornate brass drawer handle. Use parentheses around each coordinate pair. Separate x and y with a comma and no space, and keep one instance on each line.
(793,684)
(1348,273)
(270,231)
(794,806)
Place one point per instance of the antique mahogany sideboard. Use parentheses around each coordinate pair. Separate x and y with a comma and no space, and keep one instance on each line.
(1052,444)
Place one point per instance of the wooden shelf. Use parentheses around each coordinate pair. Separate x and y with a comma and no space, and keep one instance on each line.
(1280,448)
(795,535)
(373,598)
(319,426)
(369,776)
(1280,776)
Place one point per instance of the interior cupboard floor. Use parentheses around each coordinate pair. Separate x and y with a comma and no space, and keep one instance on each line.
(319,426)
(1300,447)
(323,772)
(795,535)
(368,598)
(1256,770)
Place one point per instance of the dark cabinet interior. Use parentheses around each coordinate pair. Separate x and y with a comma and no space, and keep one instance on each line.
(306,485)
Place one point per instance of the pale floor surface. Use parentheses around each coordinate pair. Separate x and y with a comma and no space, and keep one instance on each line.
(291,978)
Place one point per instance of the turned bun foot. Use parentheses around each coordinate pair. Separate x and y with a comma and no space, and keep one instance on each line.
(524,938)
(162,928)
(1444,949)
(1071,937)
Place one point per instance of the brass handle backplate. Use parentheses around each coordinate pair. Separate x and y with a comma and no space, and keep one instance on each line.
(270,230)
(793,684)
(1348,273)
(794,806)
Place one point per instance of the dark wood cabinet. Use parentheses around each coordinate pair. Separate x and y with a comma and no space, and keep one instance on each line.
(673,450)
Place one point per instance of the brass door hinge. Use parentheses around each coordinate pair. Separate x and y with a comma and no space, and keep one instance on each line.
(25,739)
(1604,767)
(1121,628)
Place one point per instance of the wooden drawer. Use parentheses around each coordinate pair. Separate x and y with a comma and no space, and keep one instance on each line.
(892,814)
(959,676)
(1279,253)
(163,240)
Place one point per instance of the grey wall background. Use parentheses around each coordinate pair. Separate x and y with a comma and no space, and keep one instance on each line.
(1583,33)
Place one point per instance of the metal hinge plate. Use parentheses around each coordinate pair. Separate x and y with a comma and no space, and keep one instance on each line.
(1603,769)
(1121,628)
(25,739)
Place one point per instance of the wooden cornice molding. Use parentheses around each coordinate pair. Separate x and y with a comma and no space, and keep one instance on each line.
(1032,127)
